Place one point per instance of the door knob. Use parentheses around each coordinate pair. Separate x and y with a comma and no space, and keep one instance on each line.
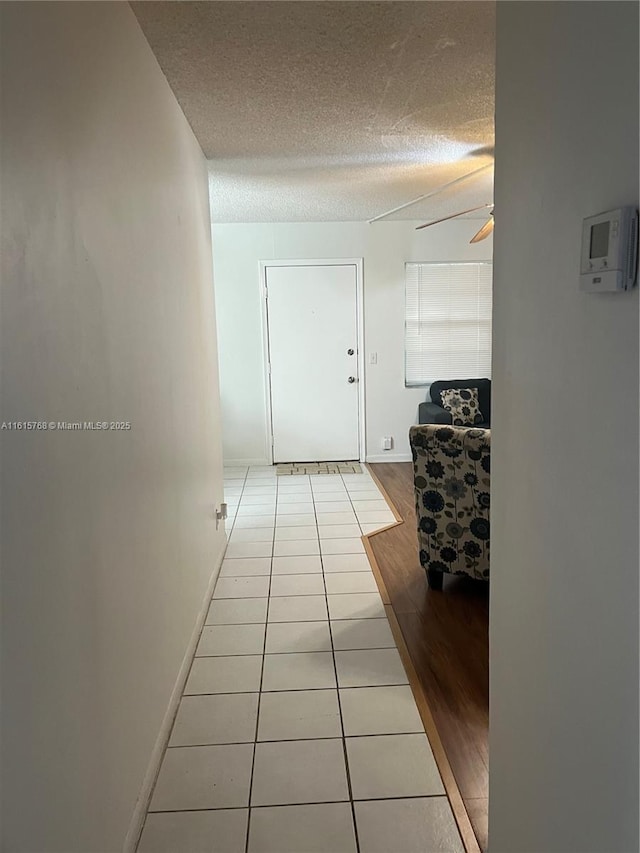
(350,352)
(351,380)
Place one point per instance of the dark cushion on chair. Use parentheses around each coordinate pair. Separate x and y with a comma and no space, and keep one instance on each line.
(429,413)
(484,393)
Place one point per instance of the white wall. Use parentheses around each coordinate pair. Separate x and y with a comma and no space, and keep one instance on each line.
(107,314)
(564,598)
(386,247)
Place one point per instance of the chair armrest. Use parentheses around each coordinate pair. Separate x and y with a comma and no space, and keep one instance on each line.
(430,413)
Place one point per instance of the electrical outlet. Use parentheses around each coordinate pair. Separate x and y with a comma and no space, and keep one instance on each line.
(387,442)
(221,514)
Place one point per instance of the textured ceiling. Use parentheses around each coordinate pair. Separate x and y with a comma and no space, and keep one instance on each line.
(332,110)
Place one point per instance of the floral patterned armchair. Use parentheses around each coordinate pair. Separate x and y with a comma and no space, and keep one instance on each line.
(451,475)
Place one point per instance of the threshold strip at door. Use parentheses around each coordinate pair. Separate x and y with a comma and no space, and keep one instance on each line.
(293,468)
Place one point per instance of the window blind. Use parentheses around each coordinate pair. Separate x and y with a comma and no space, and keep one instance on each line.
(447,321)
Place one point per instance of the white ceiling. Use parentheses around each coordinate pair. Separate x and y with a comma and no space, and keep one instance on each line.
(332,110)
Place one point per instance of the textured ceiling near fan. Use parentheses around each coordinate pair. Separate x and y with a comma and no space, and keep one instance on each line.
(332,110)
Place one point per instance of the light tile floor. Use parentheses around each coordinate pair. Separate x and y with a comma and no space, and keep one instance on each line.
(298,731)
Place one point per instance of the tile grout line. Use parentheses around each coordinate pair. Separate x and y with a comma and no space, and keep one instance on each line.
(233,527)
(235,515)
(307,739)
(335,670)
(311,803)
(306,622)
(264,654)
(287,621)
(235,519)
(302,689)
(294,575)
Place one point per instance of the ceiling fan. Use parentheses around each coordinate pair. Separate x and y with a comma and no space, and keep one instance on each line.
(482,234)
(486,229)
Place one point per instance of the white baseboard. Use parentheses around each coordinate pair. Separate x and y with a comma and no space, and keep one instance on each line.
(157,754)
(390,457)
(381,457)
(244,463)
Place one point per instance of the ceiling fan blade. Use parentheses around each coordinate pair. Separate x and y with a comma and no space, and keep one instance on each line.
(484,232)
(453,216)
(437,191)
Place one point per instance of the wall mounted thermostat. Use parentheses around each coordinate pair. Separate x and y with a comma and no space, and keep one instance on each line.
(609,257)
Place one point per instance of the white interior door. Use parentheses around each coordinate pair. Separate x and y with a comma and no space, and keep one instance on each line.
(313,352)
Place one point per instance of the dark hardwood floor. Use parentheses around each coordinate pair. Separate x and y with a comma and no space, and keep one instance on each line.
(447,637)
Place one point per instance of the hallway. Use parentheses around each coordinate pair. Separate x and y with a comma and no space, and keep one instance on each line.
(154,155)
(298,730)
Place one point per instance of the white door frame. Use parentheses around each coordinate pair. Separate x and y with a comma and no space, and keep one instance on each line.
(313,262)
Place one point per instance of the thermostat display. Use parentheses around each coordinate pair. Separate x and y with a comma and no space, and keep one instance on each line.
(600,240)
(609,257)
